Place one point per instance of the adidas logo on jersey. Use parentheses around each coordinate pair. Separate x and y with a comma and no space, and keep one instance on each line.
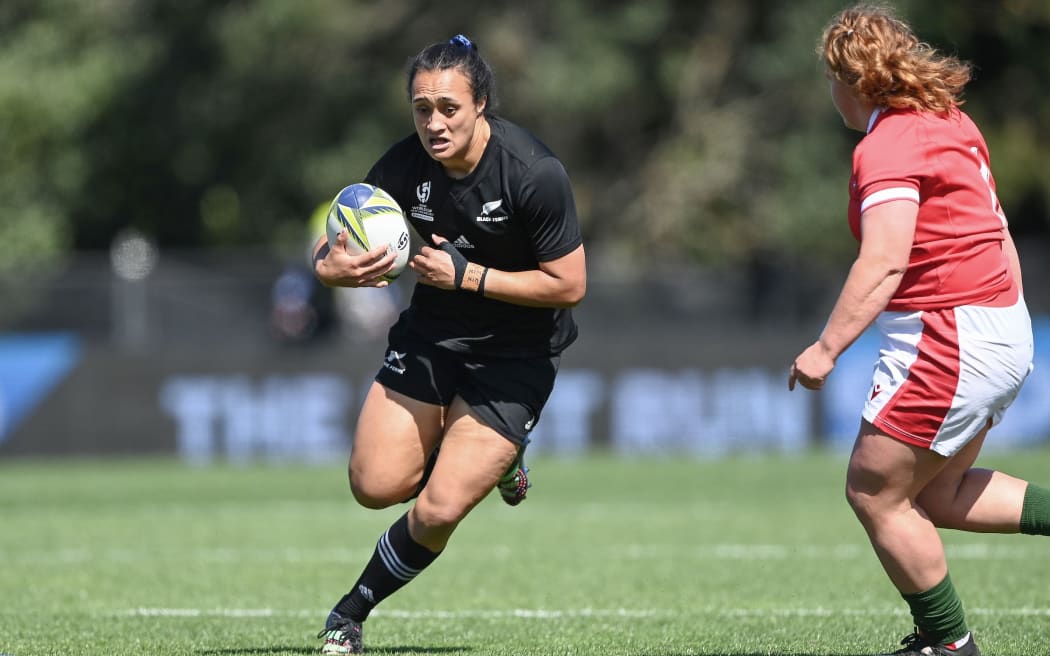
(462,242)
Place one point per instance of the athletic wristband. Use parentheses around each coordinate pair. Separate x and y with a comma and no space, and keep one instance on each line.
(469,276)
(474,278)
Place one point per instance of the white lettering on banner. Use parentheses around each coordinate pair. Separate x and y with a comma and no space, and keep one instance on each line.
(737,410)
(565,427)
(189,401)
(646,411)
(279,418)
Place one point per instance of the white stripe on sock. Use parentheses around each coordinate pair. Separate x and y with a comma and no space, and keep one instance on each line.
(393,562)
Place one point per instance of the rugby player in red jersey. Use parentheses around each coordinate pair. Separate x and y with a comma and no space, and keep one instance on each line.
(938,274)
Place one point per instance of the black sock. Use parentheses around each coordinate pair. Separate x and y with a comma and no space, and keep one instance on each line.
(396,561)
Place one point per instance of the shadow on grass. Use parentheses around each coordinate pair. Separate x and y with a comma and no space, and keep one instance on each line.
(260,651)
(444,650)
(263,651)
(740,653)
(407,649)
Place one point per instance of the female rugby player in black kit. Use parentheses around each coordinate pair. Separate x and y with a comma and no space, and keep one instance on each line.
(472,360)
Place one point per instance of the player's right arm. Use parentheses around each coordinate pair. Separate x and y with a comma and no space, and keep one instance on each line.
(888,232)
(334,266)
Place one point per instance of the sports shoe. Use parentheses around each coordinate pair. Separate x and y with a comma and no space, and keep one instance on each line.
(341,636)
(916,645)
(515,483)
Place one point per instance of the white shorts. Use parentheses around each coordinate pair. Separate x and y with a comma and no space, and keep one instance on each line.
(943,374)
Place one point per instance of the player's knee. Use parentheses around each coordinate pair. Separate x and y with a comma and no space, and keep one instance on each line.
(440,514)
(376,495)
(863,502)
(369,499)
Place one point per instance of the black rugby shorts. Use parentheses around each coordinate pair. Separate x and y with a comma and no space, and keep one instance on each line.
(508,394)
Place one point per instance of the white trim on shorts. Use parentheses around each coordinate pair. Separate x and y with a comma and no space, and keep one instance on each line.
(943,374)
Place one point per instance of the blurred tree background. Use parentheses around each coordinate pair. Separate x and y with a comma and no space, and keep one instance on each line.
(697,132)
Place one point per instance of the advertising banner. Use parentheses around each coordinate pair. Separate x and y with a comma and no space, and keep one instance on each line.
(60,397)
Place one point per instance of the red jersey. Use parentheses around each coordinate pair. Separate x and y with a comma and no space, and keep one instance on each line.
(941,163)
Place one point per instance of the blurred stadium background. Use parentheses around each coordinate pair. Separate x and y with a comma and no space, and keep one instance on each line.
(177,396)
(159,165)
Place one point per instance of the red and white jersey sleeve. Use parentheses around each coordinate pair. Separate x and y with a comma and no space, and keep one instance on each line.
(939,162)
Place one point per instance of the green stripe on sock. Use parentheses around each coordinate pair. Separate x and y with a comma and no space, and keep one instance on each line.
(938,612)
(1035,513)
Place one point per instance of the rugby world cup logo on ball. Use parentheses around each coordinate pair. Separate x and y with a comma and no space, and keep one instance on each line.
(372,218)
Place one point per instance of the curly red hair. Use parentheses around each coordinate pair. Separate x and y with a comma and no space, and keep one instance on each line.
(879,57)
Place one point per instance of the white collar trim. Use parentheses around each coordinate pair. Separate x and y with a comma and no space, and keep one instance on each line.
(874,115)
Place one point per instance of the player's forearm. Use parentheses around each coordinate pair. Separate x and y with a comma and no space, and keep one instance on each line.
(320,251)
(534,288)
(868,289)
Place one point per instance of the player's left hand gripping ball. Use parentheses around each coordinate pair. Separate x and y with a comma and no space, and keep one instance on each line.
(372,217)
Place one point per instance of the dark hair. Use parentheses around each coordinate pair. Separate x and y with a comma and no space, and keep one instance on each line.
(461,53)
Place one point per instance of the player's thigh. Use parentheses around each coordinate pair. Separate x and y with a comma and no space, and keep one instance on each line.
(473,458)
(885,472)
(961,496)
(945,484)
(394,437)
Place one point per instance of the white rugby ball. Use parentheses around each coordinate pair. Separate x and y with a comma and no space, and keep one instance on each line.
(372,217)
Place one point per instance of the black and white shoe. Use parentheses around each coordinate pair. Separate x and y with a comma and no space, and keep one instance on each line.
(916,645)
(341,636)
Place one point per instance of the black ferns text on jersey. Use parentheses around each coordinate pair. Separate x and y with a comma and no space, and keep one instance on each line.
(515,210)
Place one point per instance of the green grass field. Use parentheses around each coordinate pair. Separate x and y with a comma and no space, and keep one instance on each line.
(653,557)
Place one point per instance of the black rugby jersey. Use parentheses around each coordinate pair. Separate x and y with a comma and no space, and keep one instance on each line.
(513,211)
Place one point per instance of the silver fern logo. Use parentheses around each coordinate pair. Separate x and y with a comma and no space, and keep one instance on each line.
(489,212)
(395,361)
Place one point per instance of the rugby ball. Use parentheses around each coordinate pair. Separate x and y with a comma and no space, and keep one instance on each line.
(372,217)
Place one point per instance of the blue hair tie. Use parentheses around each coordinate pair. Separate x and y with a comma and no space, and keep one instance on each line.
(461,40)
